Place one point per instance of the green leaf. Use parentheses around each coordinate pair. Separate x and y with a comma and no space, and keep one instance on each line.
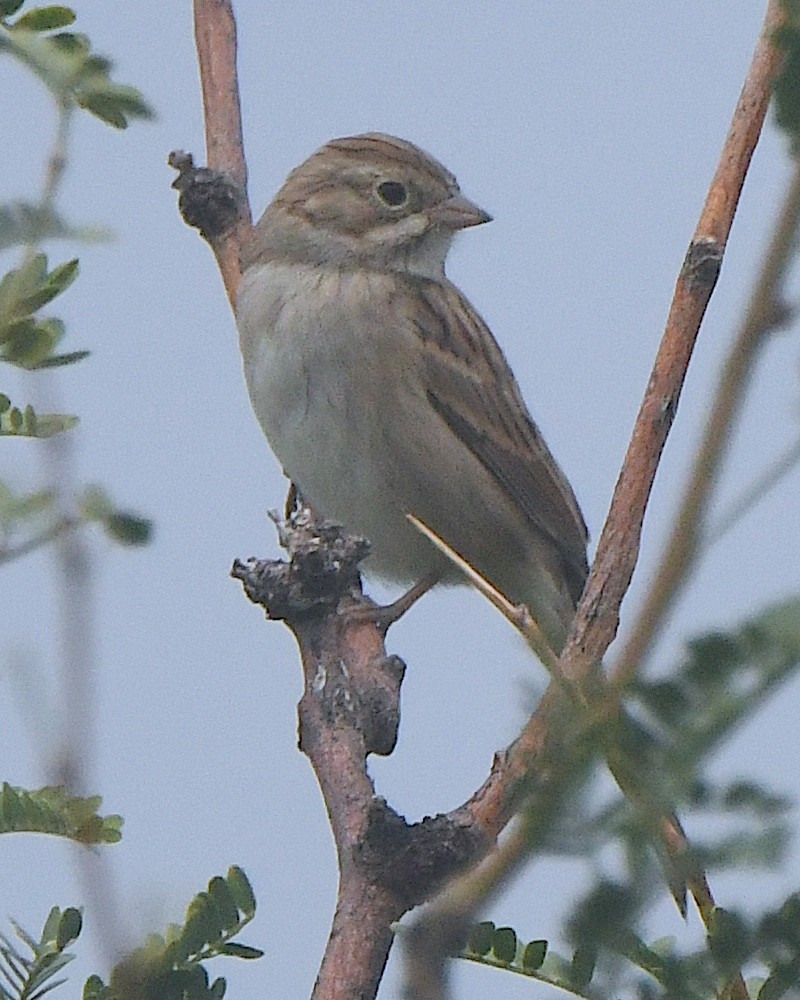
(242,891)
(95,989)
(77,78)
(582,968)
(217,989)
(61,277)
(787,83)
(17,330)
(170,967)
(745,795)
(112,103)
(61,360)
(32,977)
(223,899)
(95,504)
(200,928)
(69,927)
(32,343)
(480,937)
(49,286)
(210,916)
(29,342)
(240,950)
(128,529)
(504,944)
(123,526)
(9,7)
(25,224)
(20,283)
(723,680)
(534,954)
(51,810)
(103,107)
(50,929)
(45,19)
(780,982)
(728,939)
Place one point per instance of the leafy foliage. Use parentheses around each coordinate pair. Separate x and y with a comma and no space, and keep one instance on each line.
(65,63)
(171,966)
(30,520)
(723,679)
(25,339)
(23,223)
(77,78)
(501,947)
(122,526)
(27,422)
(52,810)
(29,978)
(772,942)
(679,724)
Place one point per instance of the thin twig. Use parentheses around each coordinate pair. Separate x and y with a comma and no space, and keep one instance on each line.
(764,313)
(215,37)
(8,553)
(597,618)
(753,495)
(70,758)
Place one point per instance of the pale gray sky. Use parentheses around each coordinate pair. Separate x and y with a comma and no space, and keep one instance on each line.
(590,131)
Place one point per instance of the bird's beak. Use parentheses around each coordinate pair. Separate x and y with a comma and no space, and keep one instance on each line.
(458,212)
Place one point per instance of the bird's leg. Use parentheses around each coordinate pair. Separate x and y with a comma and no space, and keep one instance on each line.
(386,615)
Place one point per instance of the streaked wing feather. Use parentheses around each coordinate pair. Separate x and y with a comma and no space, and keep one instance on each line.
(473,389)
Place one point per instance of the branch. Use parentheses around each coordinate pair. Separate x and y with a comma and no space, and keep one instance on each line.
(214,199)
(349,709)
(350,704)
(597,619)
(597,616)
(545,741)
(765,313)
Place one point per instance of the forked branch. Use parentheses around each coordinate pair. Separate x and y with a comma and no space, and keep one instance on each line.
(369,836)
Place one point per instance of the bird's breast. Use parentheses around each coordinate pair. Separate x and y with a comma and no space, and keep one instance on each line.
(314,348)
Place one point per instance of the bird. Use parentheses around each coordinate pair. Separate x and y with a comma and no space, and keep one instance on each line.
(384,394)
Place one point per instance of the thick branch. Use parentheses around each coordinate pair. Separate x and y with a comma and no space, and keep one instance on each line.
(350,708)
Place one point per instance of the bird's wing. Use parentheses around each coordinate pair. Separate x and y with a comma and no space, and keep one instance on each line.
(471,386)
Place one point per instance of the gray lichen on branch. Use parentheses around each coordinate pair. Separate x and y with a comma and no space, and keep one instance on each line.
(209,200)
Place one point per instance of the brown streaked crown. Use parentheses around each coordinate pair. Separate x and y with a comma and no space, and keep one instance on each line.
(338,185)
(373,185)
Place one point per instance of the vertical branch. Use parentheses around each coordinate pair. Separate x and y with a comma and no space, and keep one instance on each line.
(539,750)
(71,757)
(597,619)
(764,313)
(215,36)
(72,559)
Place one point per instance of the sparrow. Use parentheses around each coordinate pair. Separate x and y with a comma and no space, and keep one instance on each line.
(384,394)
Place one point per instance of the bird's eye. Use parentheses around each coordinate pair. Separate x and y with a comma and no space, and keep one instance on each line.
(392,193)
